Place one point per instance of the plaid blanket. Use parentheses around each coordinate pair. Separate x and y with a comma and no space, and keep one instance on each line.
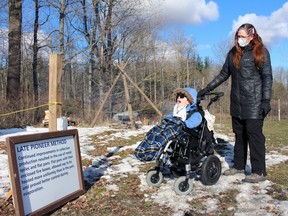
(157,137)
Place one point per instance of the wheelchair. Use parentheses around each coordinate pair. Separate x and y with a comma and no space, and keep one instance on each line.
(188,156)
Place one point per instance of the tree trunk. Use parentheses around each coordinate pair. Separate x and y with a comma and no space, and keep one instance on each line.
(62,40)
(14,56)
(35,63)
(13,88)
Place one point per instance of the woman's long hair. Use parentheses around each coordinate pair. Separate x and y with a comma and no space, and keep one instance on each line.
(256,44)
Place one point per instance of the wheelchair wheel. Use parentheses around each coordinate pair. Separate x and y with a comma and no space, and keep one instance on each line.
(183,185)
(153,179)
(211,170)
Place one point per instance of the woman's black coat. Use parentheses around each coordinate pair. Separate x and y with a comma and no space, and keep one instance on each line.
(249,86)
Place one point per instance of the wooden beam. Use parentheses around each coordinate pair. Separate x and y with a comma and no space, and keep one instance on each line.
(106,97)
(103,102)
(55,93)
(128,101)
(139,89)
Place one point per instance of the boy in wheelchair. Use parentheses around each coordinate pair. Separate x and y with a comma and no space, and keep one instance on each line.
(184,119)
(183,142)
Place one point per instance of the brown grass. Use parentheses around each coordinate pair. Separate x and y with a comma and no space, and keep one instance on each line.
(128,199)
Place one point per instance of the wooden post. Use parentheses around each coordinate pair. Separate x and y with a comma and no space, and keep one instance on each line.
(55,93)
(279,110)
(139,89)
(106,97)
(128,101)
(103,102)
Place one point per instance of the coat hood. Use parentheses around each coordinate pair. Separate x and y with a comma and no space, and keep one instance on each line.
(190,93)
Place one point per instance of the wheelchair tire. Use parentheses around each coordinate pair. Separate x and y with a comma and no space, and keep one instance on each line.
(183,186)
(211,170)
(153,179)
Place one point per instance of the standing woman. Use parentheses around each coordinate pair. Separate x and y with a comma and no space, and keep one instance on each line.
(248,63)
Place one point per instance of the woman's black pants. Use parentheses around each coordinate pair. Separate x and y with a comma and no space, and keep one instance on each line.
(249,131)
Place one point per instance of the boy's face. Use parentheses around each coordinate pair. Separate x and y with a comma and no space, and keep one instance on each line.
(182,101)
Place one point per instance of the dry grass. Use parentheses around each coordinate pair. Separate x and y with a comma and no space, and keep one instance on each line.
(129,200)
(276,140)
(3,146)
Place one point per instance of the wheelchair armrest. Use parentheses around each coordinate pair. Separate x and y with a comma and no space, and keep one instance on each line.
(192,132)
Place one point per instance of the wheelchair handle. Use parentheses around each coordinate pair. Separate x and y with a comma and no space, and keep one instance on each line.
(217,94)
(215,98)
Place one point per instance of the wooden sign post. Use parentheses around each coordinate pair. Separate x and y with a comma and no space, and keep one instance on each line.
(55,93)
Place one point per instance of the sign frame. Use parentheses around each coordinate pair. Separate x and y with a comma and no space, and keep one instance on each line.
(12,143)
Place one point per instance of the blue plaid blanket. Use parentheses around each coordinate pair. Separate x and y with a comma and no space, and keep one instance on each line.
(157,137)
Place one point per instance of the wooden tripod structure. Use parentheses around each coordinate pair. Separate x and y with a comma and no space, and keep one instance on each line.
(124,76)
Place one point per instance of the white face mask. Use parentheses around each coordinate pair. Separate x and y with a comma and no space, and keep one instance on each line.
(242,42)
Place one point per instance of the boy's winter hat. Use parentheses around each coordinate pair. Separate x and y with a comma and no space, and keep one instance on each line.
(186,93)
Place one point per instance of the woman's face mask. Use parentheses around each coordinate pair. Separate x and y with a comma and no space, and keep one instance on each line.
(244,37)
(242,42)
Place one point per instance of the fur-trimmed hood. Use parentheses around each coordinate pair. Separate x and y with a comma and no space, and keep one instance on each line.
(190,93)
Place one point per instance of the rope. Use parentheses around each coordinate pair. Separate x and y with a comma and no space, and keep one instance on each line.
(31,108)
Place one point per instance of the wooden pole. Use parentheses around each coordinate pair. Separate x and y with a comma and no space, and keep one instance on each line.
(55,93)
(103,102)
(128,101)
(106,97)
(141,92)
(279,110)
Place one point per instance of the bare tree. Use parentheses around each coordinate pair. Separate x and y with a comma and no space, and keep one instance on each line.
(14,56)
(91,35)
(110,28)
(220,51)
(186,62)
(35,62)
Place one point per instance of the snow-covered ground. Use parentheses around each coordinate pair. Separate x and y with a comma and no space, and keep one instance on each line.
(252,199)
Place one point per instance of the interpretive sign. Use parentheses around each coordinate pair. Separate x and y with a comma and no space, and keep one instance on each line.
(45,170)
